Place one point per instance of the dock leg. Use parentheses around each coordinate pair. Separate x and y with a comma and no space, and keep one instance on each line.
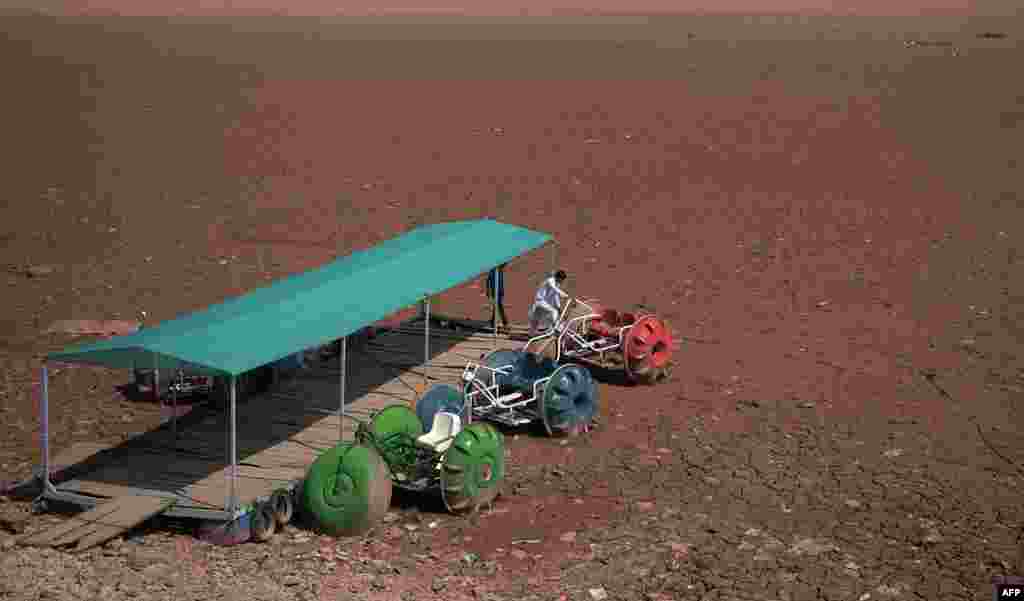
(231,503)
(426,342)
(44,427)
(494,306)
(554,258)
(342,363)
(174,407)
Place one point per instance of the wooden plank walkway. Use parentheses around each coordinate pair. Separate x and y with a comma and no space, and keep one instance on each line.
(279,434)
(100,524)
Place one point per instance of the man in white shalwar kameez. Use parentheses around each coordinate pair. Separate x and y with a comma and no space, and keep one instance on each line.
(547,304)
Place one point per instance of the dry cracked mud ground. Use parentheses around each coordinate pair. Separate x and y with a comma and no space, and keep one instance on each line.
(826,208)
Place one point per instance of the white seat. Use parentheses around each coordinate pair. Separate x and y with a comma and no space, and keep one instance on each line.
(442,433)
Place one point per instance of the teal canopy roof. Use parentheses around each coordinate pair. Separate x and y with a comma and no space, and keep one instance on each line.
(315,307)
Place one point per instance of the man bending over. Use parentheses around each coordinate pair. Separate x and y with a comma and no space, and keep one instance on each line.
(547,304)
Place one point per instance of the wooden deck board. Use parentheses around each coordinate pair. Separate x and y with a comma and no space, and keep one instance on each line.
(62,530)
(130,512)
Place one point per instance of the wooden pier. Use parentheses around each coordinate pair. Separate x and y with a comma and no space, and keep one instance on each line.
(279,434)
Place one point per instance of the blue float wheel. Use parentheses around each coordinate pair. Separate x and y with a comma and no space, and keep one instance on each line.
(570,400)
(507,383)
(440,397)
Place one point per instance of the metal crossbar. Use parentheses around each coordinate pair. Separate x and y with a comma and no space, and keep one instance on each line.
(570,331)
(492,392)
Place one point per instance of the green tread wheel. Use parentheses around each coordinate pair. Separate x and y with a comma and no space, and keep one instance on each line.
(347,489)
(569,401)
(473,468)
(395,429)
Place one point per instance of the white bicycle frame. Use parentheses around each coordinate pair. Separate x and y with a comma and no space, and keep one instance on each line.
(491,392)
(564,330)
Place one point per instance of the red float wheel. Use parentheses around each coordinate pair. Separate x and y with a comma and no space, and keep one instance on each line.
(647,350)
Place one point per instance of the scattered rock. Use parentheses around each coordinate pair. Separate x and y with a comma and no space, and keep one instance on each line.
(12,526)
(923,43)
(598,594)
(891,453)
(131,582)
(142,557)
(853,503)
(159,572)
(889,590)
(38,271)
(809,546)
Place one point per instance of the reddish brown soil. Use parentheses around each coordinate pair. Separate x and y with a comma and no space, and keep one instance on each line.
(826,210)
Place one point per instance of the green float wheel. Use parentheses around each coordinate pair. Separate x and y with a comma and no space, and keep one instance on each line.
(473,468)
(262,523)
(569,402)
(347,489)
(395,429)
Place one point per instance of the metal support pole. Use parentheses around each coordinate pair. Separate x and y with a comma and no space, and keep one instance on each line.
(343,364)
(174,403)
(44,426)
(498,276)
(156,379)
(232,501)
(426,341)
(554,258)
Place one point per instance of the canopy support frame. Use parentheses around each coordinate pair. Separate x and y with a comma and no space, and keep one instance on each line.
(231,502)
(343,368)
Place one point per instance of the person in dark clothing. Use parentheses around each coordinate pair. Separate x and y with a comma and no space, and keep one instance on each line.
(496,293)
